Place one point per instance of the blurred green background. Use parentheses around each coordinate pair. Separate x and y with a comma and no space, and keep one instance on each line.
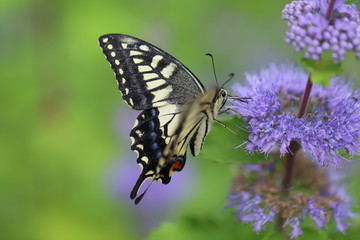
(65,165)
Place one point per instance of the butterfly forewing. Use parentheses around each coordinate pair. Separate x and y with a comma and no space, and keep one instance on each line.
(147,76)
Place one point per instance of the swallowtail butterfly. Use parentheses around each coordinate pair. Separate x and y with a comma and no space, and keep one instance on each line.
(176,109)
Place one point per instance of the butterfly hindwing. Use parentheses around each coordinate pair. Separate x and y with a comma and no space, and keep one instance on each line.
(153,130)
(147,76)
(147,142)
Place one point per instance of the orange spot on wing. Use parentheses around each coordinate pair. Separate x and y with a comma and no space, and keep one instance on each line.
(177,165)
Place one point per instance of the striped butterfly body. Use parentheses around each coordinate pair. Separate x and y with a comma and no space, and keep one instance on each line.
(177,112)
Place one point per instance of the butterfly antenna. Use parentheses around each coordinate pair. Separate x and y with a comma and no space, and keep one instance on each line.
(231,76)
(213,65)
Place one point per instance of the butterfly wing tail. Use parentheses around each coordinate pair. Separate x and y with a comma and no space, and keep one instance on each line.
(138,184)
(135,190)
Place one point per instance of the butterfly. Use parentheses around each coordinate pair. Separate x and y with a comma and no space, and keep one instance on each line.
(177,111)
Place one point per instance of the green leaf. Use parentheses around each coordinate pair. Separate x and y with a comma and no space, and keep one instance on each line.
(273,236)
(321,71)
(221,145)
(344,154)
(207,226)
(313,233)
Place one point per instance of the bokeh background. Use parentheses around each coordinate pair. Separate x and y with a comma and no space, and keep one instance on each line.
(65,166)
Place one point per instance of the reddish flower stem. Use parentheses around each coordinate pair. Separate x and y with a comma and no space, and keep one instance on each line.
(295,146)
(290,157)
(290,161)
(306,96)
(330,9)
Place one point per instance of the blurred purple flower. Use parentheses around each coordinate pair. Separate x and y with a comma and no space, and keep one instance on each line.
(341,214)
(295,225)
(312,29)
(317,214)
(256,197)
(249,211)
(159,197)
(161,200)
(274,93)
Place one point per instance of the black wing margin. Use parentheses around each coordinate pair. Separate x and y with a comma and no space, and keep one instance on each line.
(147,76)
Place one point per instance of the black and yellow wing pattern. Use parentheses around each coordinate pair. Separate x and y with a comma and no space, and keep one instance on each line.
(176,109)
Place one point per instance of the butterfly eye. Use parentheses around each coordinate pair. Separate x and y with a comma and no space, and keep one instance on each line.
(223,93)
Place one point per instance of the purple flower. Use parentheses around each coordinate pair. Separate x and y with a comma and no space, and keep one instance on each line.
(256,197)
(341,213)
(250,211)
(332,124)
(295,225)
(313,30)
(317,214)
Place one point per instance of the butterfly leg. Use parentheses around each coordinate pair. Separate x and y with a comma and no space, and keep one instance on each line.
(226,127)
(229,109)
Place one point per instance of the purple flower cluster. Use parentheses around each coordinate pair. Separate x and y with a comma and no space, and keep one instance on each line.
(256,198)
(332,124)
(249,209)
(317,26)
